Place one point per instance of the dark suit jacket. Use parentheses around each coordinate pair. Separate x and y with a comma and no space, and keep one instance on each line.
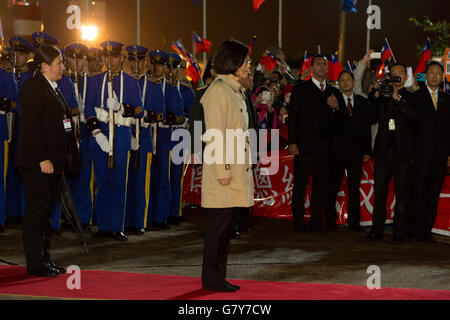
(432,129)
(304,115)
(42,134)
(353,132)
(379,111)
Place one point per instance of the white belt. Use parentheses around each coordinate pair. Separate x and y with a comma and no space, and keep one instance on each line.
(184,125)
(103,116)
(162,125)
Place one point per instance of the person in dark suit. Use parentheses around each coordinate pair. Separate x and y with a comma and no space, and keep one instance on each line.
(353,139)
(312,141)
(47,150)
(432,140)
(394,153)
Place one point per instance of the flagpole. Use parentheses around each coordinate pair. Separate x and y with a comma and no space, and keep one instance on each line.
(392,52)
(368,33)
(341,44)
(138,19)
(280,24)
(204,32)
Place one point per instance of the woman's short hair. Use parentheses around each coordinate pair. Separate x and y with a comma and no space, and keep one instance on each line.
(230,57)
(43,54)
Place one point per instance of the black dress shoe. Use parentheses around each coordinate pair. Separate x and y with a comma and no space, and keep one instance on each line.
(429,239)
(235,235)
(317,229)
(43,271)
(356,228)
(173,221)
(60,270)
(102,234)
(161,226)
(119,236)
(332,227)
(86,227)
(373,237)
(13,220)
(301,228)
(232,285)
(140,231)
(56,232)
(1,229)
(220,288)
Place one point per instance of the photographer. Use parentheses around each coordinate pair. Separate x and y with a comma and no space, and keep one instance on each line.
(393,151)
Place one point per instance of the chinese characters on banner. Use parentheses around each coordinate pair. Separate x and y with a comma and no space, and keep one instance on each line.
(273,195)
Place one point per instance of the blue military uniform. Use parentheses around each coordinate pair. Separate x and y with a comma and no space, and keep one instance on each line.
(138,189)
(184,101)
(160,196)
(15,195)
(8,96)
(81,185)
(112,183)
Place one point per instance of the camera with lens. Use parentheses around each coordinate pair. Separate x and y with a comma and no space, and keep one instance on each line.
(386,87)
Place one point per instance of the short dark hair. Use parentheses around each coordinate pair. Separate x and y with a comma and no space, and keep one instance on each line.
(43,54)
(400,64)
(316,57)
(230,57)
(278,73)
(346,71)
(434,63)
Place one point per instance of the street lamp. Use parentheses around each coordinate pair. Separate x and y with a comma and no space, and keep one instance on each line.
(89,33)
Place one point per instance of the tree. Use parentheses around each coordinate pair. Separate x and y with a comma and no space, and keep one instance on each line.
(438,32)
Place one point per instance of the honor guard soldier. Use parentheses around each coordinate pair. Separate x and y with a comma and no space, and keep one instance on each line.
(95,61)
(111,106)
(8,98)
(76,54)
(138,189)
(161,196)
(176,170)
(20,53)
(67,88)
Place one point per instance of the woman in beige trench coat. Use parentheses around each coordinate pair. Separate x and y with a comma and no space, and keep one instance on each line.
(227,183)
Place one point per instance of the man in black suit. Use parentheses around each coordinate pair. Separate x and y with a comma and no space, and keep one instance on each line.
(432,139)
(393,152)
(353,139)
(312,141)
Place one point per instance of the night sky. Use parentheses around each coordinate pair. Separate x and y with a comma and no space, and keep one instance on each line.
(306,24)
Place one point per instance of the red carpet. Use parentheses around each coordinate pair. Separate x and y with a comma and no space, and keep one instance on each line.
(135,286)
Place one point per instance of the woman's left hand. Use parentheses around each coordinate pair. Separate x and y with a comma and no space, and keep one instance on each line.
(225,181)
(46,167)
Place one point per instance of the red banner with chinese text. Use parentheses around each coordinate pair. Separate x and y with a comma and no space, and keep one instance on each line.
(273,194)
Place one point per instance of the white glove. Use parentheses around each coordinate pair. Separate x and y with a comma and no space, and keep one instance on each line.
(134,144)
(113,104)
(102,141)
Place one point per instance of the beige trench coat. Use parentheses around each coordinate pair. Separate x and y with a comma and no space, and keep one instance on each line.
(224,108)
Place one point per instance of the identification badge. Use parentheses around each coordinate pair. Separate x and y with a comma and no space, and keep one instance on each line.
(391,125)
(67,125)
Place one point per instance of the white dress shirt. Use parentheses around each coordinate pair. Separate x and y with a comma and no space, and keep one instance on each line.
(317,83)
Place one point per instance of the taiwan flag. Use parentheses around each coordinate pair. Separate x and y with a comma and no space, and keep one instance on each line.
(306,64)
(201,44)
(386,52)
(257,4)
(334,68)
(426,55)
(269,61)
(251,46)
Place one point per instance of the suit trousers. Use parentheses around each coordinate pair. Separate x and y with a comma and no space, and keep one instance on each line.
(219,228)
(41,196)
(428,180)
(339,166)
(317,165)
(385,168)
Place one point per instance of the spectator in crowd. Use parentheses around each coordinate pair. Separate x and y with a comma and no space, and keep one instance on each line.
(267,116)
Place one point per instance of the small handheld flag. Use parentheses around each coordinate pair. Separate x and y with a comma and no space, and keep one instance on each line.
(426,55)
(201,44)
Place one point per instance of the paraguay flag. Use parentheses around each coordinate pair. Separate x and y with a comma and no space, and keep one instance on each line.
(426,55)
(201,44)
(386,52)
(269,61)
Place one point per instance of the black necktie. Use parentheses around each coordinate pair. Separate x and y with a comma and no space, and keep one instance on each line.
(60,95)
(349,106)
